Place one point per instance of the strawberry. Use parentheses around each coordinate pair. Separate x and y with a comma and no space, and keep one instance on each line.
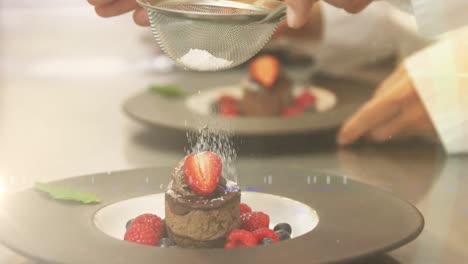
(228,111)
(244,209)
(265,70)
(240,238)
(305,99)
(150,220)
(255,220)
(262,233)
(292,111)
(142,234)
(202,171)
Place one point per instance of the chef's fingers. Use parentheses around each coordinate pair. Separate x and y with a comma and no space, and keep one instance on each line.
(100,2)
(311,30)
(421,124)
(281,29)
(375,112)
(357,6)
(298,12)
(413,121)
(115,8)
(351,6)
(391,81)
(140,16)
(392,129)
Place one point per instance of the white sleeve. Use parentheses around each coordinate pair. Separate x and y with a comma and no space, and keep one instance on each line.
(440,75)
(351,40)
(435,17)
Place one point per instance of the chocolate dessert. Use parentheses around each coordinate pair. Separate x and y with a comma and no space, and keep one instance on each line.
(268,90)
(201,206)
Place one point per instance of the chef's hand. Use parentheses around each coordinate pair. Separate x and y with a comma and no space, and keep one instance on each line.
(394,112)
(109,8)
(297,14)
(311,30)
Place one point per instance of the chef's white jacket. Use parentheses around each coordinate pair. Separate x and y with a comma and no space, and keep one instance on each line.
(439,72)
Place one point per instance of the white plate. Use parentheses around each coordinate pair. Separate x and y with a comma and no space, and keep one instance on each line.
(112,219)
(201,103)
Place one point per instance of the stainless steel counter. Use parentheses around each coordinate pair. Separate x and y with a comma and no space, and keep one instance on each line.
(65,73)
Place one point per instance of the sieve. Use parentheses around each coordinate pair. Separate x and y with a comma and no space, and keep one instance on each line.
(212,35)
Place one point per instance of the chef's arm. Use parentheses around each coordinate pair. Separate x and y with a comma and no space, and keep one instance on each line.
(352,40)
(435,17)
(340,41)
(440,76)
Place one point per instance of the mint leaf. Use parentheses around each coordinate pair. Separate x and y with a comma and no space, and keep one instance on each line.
(167,90)
(67,193)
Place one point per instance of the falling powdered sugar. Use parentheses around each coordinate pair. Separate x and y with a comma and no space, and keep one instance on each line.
(203,60)
(219,142)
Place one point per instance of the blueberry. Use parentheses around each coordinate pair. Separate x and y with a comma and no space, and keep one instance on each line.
(283,226)
(129,222)
(267,241)
(283,235)
(166,243)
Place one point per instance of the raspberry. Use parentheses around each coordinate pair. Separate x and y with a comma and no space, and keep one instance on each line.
(305,99)
(227,100)
(262,233)
(255,220)
(230,244)
(240,238)
(244,209)
(150,220)
(227,106)
(292,111)
(229,111)
(142,234)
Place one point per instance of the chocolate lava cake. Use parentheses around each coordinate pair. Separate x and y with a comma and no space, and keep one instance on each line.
(268,89)
(201,206)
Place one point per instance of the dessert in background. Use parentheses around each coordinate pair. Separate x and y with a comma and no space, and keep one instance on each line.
(266,92)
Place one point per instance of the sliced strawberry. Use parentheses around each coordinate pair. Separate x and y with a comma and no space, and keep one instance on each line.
(202,171)
(305,99)
(265,70)
(292,111)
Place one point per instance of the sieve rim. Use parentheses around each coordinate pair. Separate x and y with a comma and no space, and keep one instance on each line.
(261,11)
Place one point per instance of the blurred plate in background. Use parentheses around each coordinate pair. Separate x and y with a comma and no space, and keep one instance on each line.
(156,110)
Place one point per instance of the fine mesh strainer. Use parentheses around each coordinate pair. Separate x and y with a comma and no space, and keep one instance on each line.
(211,35)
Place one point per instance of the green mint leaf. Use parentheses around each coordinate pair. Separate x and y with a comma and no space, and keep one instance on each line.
(67,193)
(167,90)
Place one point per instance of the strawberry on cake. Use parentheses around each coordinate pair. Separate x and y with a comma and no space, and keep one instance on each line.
(201,206)
(268,90)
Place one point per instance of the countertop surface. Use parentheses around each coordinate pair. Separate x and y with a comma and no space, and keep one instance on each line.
(65,73)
